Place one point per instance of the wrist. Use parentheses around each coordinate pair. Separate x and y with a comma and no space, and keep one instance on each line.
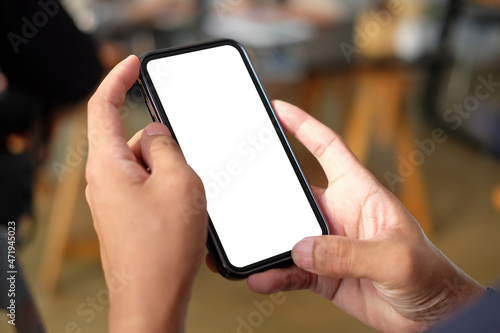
(150,307)
(458,291)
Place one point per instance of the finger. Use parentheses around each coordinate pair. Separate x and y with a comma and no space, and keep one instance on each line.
(339,257)
(159,150)
(274,280)
(332,153)
(210,263)
(104,122)
(318,191)
(135,145)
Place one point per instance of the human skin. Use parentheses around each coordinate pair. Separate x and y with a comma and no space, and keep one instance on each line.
(151,231)
(377,265)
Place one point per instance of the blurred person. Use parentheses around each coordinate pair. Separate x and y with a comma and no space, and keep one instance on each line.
(16,178)
(46,63)
(378,265)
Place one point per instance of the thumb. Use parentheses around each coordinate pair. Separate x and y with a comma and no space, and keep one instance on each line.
(336,256)
(159,149)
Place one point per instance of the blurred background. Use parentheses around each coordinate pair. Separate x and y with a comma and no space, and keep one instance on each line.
(412,86)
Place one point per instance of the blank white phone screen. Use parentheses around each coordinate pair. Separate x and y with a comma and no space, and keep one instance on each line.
(254,198)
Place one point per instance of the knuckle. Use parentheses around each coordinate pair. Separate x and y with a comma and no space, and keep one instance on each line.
(92,103)
(190,179)
(88,195)
(333,256)
(343,256)
(90,175)
(186,183)
(409,260)
(296,280)
(95,173)
(161,144)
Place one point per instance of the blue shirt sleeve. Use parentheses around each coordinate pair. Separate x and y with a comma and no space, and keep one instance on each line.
(484,317)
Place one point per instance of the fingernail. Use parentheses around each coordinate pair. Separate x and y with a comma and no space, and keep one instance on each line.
(157,129)
(302,253)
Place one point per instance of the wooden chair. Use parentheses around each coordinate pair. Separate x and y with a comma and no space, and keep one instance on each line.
(378,114)
(68,192)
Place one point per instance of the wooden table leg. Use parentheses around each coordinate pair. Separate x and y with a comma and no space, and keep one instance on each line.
(379,115)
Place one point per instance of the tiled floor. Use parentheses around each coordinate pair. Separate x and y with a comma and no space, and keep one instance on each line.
(459,182)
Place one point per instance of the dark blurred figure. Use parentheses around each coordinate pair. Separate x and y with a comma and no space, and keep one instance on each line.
(46,62)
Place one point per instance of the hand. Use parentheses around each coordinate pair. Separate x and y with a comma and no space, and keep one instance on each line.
(152,223)
(378,265)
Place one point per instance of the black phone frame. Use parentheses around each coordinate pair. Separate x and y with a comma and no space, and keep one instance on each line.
(214,245)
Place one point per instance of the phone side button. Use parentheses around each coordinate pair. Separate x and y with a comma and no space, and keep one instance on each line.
(151,110)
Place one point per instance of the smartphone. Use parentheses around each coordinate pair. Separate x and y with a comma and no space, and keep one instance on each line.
(258,200)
